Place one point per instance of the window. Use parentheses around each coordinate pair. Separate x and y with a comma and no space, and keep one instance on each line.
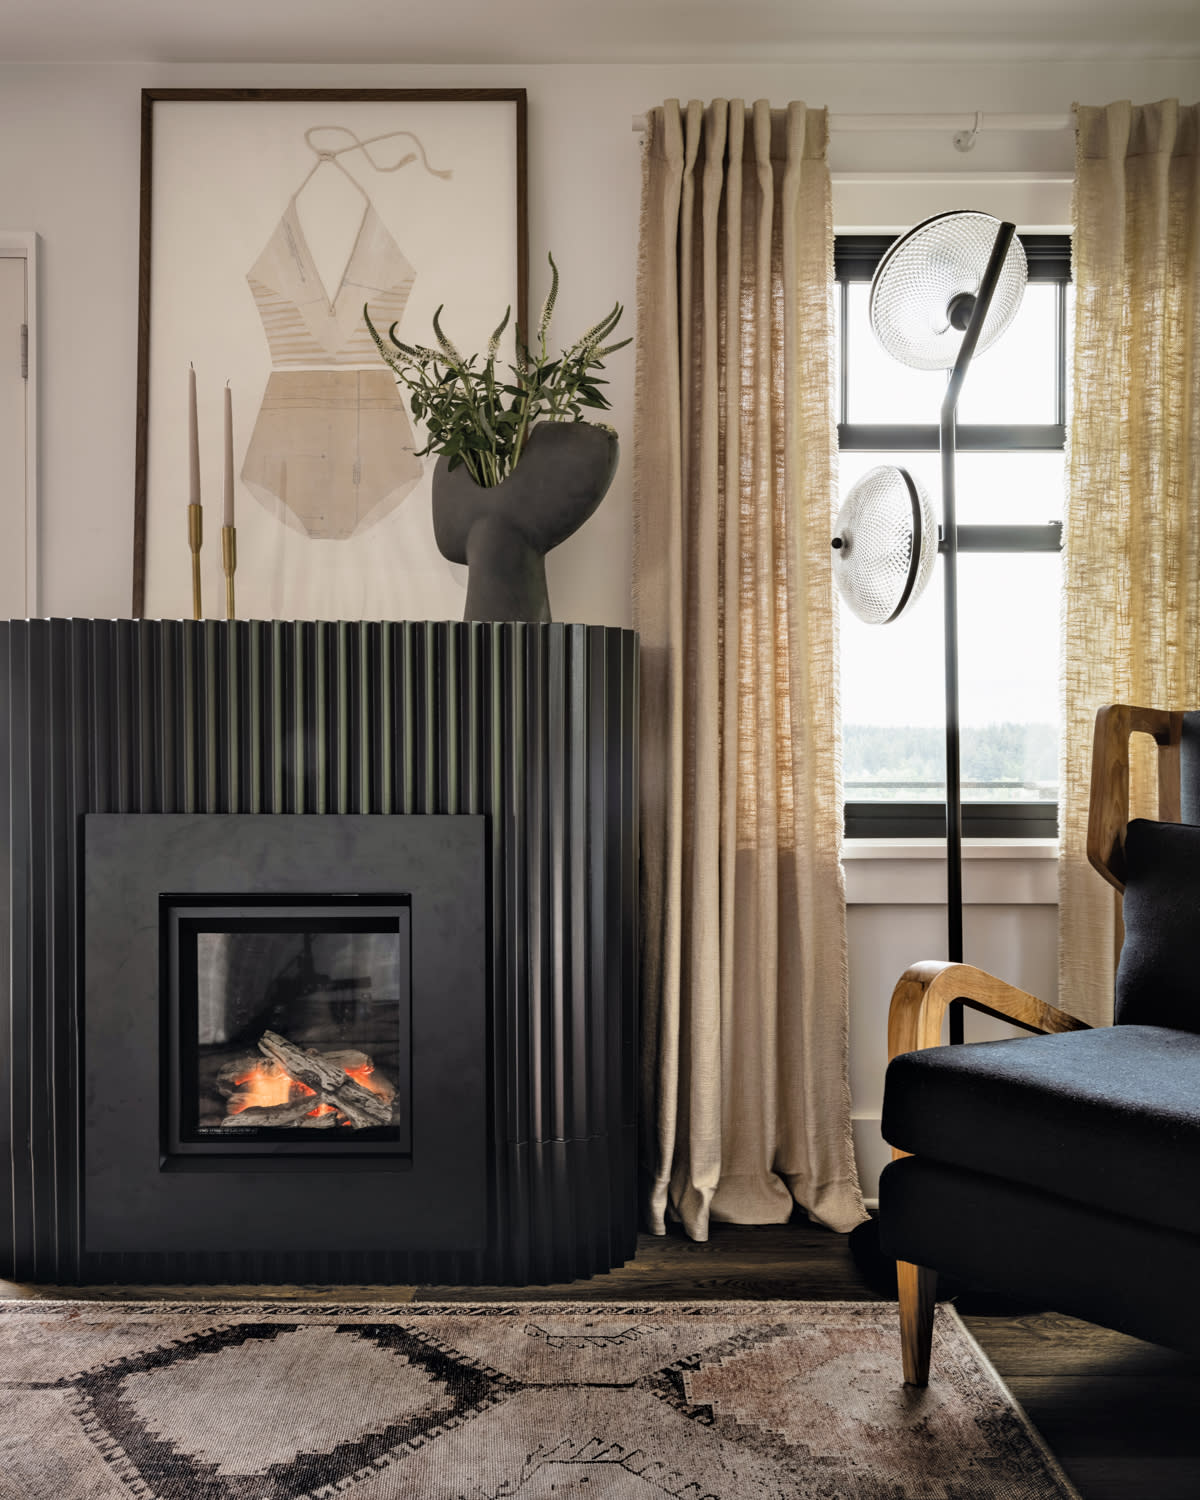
(1011,452)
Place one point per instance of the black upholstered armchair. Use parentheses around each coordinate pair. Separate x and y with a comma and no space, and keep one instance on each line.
(1063,1167)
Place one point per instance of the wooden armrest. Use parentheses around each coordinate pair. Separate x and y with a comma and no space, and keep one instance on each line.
(1108,810)
(924,991)
(919,1002)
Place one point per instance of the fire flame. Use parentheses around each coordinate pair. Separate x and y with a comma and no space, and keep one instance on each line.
(362,1074)
(264,1086)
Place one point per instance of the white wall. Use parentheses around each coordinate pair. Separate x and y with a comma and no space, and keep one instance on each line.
(69,170)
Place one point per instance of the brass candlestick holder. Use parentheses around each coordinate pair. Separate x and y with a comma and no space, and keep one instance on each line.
(229,560)
(195,542)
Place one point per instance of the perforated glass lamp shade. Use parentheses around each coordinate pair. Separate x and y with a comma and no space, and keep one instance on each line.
(925,288)
(885,541)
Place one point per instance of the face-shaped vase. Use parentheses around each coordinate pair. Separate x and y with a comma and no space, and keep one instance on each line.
(504,532)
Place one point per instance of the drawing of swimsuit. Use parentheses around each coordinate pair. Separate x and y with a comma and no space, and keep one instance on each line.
(332,449)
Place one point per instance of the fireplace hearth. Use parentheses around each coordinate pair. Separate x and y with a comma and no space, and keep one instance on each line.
(319,951)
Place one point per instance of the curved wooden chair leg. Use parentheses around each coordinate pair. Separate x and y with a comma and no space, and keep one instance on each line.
(918,1290)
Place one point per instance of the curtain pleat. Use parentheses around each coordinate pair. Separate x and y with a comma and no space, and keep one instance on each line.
(1132,532)
(743,906)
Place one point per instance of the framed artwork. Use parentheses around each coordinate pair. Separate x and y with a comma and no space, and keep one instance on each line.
(269,217)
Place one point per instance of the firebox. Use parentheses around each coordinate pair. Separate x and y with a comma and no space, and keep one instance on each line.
(288,1024)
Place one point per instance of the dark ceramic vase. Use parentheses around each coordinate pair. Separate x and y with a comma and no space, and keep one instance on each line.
(503,533)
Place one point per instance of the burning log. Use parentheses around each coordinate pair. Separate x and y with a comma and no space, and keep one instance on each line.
(270,1115)
(382,1086)
(361,1068)
(330,1083)
(349,1059)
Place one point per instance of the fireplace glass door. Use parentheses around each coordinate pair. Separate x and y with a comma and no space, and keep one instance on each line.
(288,1026)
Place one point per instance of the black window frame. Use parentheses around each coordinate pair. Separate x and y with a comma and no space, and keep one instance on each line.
(1048,256)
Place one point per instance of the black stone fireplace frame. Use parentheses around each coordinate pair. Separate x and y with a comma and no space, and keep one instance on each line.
(533,727)
(136,1193)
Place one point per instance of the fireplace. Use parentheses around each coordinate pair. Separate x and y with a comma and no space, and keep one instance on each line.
(409,843)
(287,1024)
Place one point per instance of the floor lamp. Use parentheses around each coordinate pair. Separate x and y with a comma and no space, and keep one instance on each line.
(943,292)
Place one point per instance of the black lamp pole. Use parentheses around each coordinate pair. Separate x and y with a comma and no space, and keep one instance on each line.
(969,313)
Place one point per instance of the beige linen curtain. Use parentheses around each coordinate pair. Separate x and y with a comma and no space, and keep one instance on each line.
(743,909)
(1132,534)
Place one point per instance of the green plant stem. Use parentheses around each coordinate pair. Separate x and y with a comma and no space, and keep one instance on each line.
(519,440)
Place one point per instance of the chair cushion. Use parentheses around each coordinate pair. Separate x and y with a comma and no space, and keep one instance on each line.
(1158,979)
(1023,1243)
(1109,1117)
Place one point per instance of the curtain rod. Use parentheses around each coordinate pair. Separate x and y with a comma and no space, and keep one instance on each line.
(966,126)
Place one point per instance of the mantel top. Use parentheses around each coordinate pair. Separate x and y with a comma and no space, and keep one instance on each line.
(77,621)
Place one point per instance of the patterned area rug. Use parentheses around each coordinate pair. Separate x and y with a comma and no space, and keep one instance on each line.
(533,1401)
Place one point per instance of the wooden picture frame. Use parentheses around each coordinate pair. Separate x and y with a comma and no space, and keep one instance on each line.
(250,201)
(20,252)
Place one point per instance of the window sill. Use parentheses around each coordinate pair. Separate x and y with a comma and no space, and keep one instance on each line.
(911,872)
(936,849)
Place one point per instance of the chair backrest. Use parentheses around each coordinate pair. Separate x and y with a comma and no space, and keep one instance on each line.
(1156,865)
(1158,977)
(1189,768)
(1177,735)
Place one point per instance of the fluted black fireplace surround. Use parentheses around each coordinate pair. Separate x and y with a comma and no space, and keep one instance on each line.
(419,841)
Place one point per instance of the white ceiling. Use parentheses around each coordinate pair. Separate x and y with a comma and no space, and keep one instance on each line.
(533,31)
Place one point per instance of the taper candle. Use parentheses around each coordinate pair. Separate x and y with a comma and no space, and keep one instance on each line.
(193,441)
(228,516)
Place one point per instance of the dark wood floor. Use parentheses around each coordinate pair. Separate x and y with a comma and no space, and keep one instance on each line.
(1122,1416)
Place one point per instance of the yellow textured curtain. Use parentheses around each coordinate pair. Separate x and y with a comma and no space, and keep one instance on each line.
(743,906)
(1132,535)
